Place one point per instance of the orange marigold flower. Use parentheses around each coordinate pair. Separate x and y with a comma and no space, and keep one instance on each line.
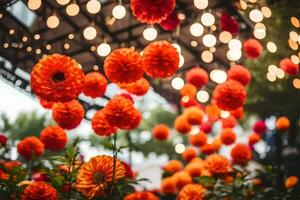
(199,139)
(10,165)
(241,154)
(282,123)
(94,84)
(46,104)
(139,88)
(229,122)
(100,124)
(228,137)
(68,115)
(189,154)
(120,112)
(181,124)
(57,78)
(38,191)
(168,185)
(173,166)
(30,147)
(161,132)
(291,181)
(239,73)
(54,138)
(253,138)
(252,48)
(210,148)
(160,59)
(195,169)
(188,90)
(213,112)
(182,179)
(192,192)
(230,95)
(123,66)
(194,115)
(197,76)
(141,196)
(95,175)
(136,120)
(217,164)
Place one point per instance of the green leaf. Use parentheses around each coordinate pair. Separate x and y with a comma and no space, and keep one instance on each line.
(205,180)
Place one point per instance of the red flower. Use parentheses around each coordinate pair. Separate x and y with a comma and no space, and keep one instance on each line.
(68,115)
(141,196)
(54,138)
(241,154)
(181,124)
(228,137)
(123,66)
(210,148)
(217,164)
(129,172)
(161,132)
(188,102)
(152,12)
(171,22)
(198,140)
(253,138)
(197,76)
(46,104)
(238,113)
(289,67)
(136,120)
(260,127)
(206,127)
(57,78)
(189,154)
(239,73)
(139,88)
(229,23)
(160,59)
(3,139)
(252,48)
(94,84)
(100,124)
(229,122)
(38,191)
(30,147)
(229,95)
(213,112)
(120,112)
(192,192)
(38,176)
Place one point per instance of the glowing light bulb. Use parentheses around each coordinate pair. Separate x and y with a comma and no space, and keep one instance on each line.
(63,2)
(196,29)
(235,44)
(266,11)
(271,77)
(181,60)
(202,96)
(256,15)
(271,46)
(279,73)
(34,4)
(103,49)
(89,33)
(177,46)
(207,56)
(119,12)
(295,59)
(234,54)
(150,34)
(93,6)
(52,21)
(177,83)
(201,4)
(72,9)
(179,148)
(207,19)
(224,114)
(218,76)
(225,37)
(209,40)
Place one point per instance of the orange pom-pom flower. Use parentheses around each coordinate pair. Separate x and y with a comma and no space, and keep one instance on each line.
(123,66)
(188,90)
(237,113)
(182,125)
(197,76)
(289,67)
(100,124)
(189,154)
(94,84)
(141,196)
(152,12)
(39,190)
(241,154)
(291,182)
(68,115)
(182,179)
(194,115)
(253,138)
(229,122)
(161,132)
(239,73)
(46,104)
(198,139)
(228,137)
(230,95)
(30,147)
(192,192)
(252,48)
(139,88)
(168,186)
(54,138)
(213,112)
(173,166)
(217,164)
(57,78)
(160,59)
(282,123)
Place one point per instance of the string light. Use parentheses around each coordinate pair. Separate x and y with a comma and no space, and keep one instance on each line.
(5,45)
(196,29)
(234,54)
(181,60)
(24,38)
(150,34)
(295,22)
(294,36)
(202,96)
(93,48)
(266,11)
(194,43)
(293,45)
(66,46)
(11,31)
(179,148)
(28,49)
(271,46)
(224,114)
(225,37)
(72,9)
(63,2)
(207,56)
(119,12)
(34,4)
(93,6)
(201,4)
(177,46)
(235,44)
(218,76)
(279,73)
(296,83)
(271,76)
(259,34)
(272,68)
(209,40)
(243,5)
(177,83)
(90,33)
(48,46)
(38,51)
(207,19)
(256,15)
(181,16)
(52,21)
(295,59)
(71,36)
(37,36)
(103,49)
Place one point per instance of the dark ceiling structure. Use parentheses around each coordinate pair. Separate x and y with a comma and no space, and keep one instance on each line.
(23,44)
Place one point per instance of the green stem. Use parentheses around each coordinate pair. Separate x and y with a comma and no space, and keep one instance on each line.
(115,161)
